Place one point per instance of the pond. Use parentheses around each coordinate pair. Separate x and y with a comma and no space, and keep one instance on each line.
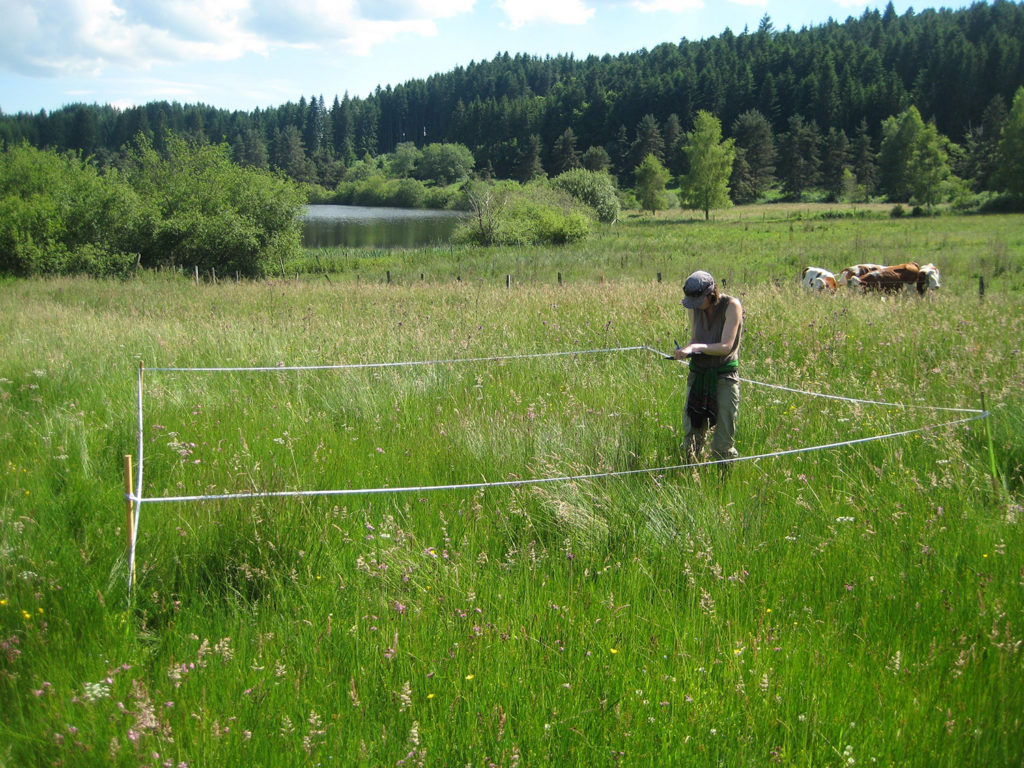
(356,226)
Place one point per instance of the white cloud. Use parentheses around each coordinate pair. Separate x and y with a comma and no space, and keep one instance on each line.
(521,12)
(60,37)
(672,6)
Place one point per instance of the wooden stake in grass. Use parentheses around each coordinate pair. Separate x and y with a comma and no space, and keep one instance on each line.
(130,528)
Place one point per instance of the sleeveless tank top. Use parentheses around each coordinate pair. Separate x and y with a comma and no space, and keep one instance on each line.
(708,330)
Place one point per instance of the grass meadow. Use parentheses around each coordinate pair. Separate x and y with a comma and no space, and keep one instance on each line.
(862,605)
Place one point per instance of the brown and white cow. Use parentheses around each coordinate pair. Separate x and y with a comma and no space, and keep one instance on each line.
(889,279)
(818,279)
(928,279)
(856,271)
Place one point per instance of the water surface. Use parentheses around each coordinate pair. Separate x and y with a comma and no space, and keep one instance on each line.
(357,226)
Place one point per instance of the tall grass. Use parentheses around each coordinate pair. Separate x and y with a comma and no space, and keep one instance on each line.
(859,605)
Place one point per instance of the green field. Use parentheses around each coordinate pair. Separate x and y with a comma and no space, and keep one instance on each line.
(862,605)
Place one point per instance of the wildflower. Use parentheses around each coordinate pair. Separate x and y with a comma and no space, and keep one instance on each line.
(96,691)
(3,602)
(613,650)
(223,648)
(26,615)
(470,676)
(430,695)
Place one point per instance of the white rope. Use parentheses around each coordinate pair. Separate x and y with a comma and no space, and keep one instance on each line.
(558,479)
(139,500)
(406,363)
(864,402)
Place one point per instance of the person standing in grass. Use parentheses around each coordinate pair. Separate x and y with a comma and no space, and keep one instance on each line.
(713,385)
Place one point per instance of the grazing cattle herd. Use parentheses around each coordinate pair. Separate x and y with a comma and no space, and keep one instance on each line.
(874,277)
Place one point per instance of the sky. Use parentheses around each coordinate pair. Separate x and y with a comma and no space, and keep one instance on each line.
(248,54)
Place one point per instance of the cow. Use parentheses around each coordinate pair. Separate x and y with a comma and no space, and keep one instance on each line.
(818,279)
(888,279)
(928,279)
(856,271)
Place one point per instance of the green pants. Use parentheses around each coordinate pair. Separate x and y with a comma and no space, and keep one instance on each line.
(723,441)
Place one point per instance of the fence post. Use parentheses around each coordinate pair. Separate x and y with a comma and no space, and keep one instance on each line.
(508,281)
(659,277)
(981,286)
(389,277)
(559,278)
(195,271)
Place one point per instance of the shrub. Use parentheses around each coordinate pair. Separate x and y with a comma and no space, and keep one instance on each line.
(507,214)
(59,215)
(595,189)
(897,211)
(452,197)
(406,193)
(203,210)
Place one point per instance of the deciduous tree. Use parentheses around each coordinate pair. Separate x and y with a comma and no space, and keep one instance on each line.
(1011,148)
(706,185)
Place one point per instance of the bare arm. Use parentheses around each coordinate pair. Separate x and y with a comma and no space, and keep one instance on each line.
(733,314)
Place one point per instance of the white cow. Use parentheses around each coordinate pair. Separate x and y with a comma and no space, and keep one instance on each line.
(818,279)
(929,279)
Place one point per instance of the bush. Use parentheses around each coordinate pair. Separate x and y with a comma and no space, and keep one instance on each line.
(59,215)
(406,193)
(897,211)
(507,214)
(595,189)
(447,198)
(203,210)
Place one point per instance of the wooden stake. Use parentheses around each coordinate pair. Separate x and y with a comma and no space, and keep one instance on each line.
(130,506)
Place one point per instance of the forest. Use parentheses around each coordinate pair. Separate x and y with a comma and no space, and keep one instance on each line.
(925,109)
(821,92)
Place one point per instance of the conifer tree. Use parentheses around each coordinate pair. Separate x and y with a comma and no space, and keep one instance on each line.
(651,181)
(799,156)
(754,167)
(864,168)
(529,165)
(564,156)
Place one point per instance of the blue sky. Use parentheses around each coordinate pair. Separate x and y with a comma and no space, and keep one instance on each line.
(243,54)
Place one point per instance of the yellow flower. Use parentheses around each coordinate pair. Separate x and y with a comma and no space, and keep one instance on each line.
(26,615)
(430,695)
(3,603)
(470,677)
(614,650)
(40,609)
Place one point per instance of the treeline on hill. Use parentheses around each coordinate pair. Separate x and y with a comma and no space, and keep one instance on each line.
(833,84)
(921,108)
